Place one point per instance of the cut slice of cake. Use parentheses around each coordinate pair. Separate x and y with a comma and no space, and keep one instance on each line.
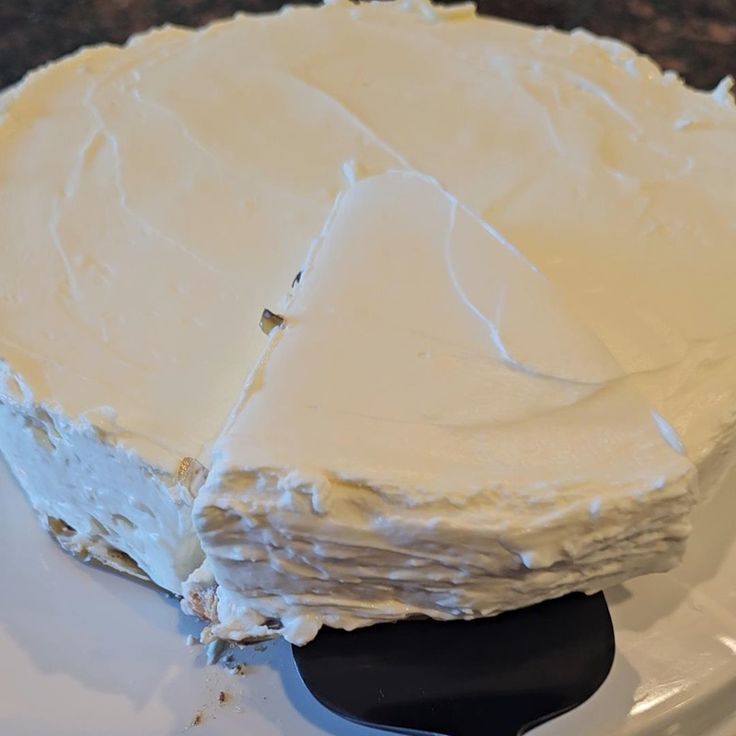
(430,432)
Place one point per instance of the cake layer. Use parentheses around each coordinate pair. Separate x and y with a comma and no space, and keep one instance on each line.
(156,197)
(96,497)
(431,432)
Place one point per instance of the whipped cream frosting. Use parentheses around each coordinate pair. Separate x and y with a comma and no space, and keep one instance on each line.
(155,198)
(431,432)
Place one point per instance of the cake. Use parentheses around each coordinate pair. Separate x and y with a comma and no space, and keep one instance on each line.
(158,197)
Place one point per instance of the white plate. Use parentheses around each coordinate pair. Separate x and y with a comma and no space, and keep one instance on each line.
(84,652)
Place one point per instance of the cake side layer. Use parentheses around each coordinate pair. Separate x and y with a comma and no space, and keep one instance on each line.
(244,613)
(431,432)
(98,499)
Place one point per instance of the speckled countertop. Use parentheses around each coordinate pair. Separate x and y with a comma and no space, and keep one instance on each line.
(697,38)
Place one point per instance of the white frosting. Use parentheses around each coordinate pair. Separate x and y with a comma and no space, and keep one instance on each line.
(155,198)
(431,432)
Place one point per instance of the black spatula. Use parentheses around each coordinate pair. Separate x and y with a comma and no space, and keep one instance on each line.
(490,677)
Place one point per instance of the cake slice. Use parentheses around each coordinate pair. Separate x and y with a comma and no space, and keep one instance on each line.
(430,432)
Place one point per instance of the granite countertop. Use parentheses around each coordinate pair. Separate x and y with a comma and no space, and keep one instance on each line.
(696,38)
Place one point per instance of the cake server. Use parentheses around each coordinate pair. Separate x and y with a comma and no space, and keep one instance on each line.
(498,676)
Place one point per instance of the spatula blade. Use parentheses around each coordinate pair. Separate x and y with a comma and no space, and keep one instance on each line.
(499,676)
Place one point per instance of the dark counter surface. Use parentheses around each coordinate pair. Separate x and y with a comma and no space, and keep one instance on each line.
(696,38)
